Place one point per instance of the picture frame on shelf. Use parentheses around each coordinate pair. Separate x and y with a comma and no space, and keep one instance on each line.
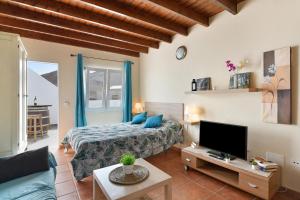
(240,80)
(244,80)
(203,83)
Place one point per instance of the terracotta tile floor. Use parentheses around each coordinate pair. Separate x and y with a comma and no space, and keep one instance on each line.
(189,185)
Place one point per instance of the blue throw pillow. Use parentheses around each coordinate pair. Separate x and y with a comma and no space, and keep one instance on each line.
(153,122)
(140,118)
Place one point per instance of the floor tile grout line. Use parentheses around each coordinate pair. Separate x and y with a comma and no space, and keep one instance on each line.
(206,187)
(228,198)
(210,196)
(219,190)
(73,179)
(222,188)
(76,189)
(211,191)
(66,194)
(63,181)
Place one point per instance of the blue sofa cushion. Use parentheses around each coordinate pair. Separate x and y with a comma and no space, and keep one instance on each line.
(38,186)
(153,122)
(24,164)
(52,162)
(139,118)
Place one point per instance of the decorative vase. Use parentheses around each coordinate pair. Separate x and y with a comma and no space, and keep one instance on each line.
(194,85)
(253,167)
(233,82)
(128,169)
(35,101)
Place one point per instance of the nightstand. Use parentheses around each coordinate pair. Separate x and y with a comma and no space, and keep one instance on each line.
(186,129)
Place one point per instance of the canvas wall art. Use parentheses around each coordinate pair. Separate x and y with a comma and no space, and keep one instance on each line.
(277,86)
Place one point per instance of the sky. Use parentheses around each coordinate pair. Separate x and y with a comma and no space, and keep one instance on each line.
(42,67)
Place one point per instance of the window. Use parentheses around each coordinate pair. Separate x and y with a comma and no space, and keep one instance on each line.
(104,88)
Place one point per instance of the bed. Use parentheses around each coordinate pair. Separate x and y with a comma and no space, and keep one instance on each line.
(102,145)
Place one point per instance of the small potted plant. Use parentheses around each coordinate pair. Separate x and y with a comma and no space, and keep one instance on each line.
(127,160)
(253,164)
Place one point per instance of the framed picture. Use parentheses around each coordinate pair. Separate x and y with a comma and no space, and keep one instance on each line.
(276,96)
(203,83)
(243,80)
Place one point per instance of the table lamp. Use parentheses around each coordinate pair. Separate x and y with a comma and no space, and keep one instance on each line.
(138,107)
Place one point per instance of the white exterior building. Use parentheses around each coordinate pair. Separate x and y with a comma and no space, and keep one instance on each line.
(45,92)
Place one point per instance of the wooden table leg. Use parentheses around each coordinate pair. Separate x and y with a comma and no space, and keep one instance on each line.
(41,125)
(97,193)
(34,128)
(168,191)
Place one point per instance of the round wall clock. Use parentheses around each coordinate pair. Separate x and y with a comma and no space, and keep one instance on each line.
(181,52)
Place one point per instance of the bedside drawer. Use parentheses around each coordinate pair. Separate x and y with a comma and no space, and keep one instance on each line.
(253,185)
(188,159)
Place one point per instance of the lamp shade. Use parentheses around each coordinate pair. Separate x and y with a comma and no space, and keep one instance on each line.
(193,113)
(138,107)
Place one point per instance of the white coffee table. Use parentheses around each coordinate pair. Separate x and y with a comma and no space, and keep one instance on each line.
(156,179)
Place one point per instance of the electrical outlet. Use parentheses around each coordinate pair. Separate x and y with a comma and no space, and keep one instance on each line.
(295,163)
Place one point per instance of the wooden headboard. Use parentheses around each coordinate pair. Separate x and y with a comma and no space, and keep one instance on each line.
(173,111)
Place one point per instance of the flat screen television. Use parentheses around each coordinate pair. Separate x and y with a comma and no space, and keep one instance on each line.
(224,138)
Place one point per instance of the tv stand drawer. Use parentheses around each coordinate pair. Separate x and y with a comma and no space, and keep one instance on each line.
(254,185)
(189,159)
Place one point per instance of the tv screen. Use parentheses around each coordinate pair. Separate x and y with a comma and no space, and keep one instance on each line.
(225,138)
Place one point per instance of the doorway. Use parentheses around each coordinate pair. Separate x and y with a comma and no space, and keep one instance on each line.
(42,104)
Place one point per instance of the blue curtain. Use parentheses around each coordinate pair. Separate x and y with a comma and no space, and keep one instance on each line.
(80,118)
(127,94)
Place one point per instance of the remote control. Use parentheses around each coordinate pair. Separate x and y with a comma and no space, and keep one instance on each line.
(215,156)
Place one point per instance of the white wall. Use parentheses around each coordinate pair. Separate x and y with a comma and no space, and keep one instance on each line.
(59,53)
(45,92)
(260,25)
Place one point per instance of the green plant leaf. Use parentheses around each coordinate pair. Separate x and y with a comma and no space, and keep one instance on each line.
(127,159)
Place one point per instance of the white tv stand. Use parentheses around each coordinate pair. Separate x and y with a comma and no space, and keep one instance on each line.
(237,173)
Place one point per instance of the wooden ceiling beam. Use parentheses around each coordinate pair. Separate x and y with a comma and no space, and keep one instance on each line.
(229,5)
(88,15)
(64,40)
(139,14)
(184,11)
(15,10)
(34,26)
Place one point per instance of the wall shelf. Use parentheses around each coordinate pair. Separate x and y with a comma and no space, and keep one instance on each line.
(225,91)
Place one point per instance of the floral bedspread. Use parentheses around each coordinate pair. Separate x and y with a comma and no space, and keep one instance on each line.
(100,146)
